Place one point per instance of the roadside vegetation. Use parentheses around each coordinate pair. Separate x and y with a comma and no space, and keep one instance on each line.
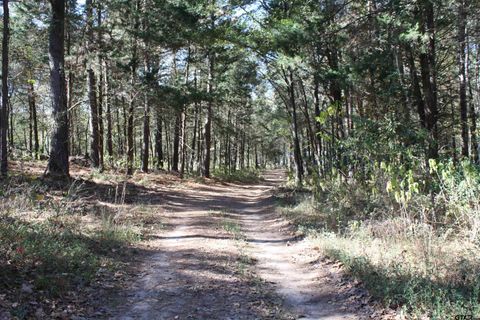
(411,235)
(59,242)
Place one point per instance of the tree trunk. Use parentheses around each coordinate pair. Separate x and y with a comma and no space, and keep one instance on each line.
(195,127)
(416,90)
(176,141)
(462,25)
(131,104)
(109,115)
(296,137)
(4,110)
(101,95)
(58,165)
(429,77)
(34,143)
(473,112)
(209,118)
(159,141)
(146,124)
(92,90)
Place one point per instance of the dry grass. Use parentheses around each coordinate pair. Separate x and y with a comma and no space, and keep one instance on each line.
(421,271)
(56,239)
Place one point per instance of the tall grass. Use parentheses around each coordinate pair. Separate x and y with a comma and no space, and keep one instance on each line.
(410,233)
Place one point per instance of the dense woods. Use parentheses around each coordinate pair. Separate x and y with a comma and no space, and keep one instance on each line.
(370,105)
(187,86)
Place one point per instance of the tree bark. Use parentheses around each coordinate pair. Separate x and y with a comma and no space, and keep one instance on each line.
(4,110)
(462,92)
(131,103)
(209,118)
(473,112)
(429,77)
(34,143)
(92,90)
(159,141)
(58,165)
(297,152)
(108,115)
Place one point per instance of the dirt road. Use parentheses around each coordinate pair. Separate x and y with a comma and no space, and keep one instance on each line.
(225,254)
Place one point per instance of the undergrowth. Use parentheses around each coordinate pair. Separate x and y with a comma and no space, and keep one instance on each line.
(411,237)
(55,239)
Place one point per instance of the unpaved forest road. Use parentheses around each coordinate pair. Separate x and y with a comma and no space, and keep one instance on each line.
(227,255)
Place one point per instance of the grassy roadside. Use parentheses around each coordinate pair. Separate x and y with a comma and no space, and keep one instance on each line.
(421,272)
(61,244)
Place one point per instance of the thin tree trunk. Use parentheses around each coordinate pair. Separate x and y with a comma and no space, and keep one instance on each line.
(159,141)
(209,118)
(101,94)
(4,110)
(109,115)
(195,127)
(92,90)
(461,38)
(473,113)
(176,141)
(296,137)
(33,121)
(146,102)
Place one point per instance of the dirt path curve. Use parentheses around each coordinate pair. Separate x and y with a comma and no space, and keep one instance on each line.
(227,255)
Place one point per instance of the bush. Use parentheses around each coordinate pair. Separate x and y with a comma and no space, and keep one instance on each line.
(409,231)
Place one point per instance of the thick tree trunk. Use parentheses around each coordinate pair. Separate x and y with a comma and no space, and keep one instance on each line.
(131,103)
(4,110)
(58,165)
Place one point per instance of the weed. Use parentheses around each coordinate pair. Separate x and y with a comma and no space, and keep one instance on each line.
(408,263)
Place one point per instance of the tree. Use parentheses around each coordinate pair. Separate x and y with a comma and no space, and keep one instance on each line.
(92,88)
(58,165)
(4,110)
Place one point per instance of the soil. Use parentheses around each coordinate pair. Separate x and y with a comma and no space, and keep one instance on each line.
(223,252)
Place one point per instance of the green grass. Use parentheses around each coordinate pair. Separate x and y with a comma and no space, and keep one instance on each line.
(56,258)
(45,243)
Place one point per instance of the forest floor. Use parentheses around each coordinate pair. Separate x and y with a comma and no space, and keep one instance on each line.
(226,254)
(207,250)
